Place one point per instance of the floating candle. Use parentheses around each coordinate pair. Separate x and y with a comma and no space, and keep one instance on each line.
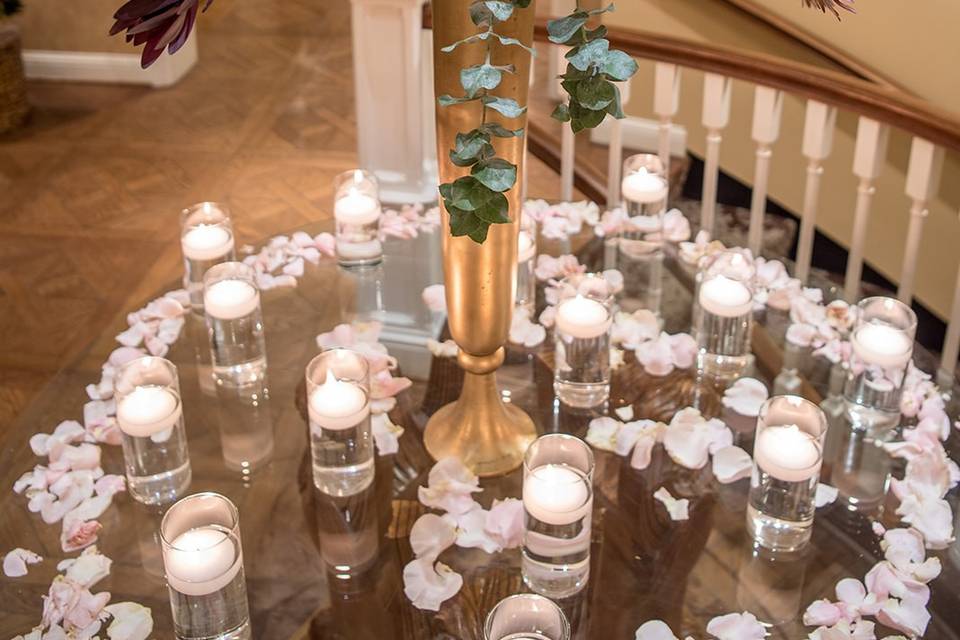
(725,297)
(556,494)
(356,208)
(882,345)
(201,561)
(787,453)
(338,404)
(206,242)
(644,187)
(582,317)
(230,299)
(147,411)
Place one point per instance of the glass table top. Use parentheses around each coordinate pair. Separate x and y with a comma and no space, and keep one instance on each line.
(331,568)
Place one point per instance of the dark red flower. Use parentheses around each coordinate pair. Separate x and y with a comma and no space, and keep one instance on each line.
(157,24)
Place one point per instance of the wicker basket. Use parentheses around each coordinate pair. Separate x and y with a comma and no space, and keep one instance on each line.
(13,87)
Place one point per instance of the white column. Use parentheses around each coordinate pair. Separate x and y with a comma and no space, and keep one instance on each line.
(392,115)
(767,109)
(615,157)
(716,116)
(666,101)
(817,143)
(869,157)
(923,179)
(951,344)
(556,62)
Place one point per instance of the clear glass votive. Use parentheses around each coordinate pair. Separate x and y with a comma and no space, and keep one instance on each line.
(558,506)
(526,262)
(526,616)
(582,340)
(338,403)
(206,239)
(787,454)
(203,563)
(150,416)
(356,210)
(723,313)
(882,343)
(645,188)
(235,324)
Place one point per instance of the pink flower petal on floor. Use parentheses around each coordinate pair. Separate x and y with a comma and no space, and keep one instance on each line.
(801,335)
(449,487)
(737,626)
(654,630)
(131,621)
(746,396)
(602,433)
(87,569)
(524,332)
(16,561)
(85,612)
(123,355)
(435,298)
(687,439)
(505,523)
(109,485)
(676,227)
(643,450)
(822,613)
(62,596)
(81,456)
(679,509)
(386,434)
(326,244)
(656,356)
(471,528)
(731,464)
(431,535)
(632,432)
(383,384)
(428,586)
(825,495)
(633,329)
(906,615)
(684,349)
(78,534)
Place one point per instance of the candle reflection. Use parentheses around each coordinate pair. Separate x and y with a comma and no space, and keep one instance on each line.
(246,425)
(770,584)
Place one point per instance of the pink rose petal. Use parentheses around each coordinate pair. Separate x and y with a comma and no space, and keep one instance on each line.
(505,523)
(427,585)
(655,630)
(435,298)
(431,535)
(731,464)
(16,561)
(737,626)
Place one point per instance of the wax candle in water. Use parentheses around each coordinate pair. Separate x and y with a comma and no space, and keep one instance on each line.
(356,208)
(882,345)
(201,561)
(147,411)
(206,242)
(726,297)
(555,494)
(230,299)
(338,404)
(787,453)
(582,317)
(643,186)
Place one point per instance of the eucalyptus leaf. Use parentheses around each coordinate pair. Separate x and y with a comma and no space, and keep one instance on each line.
(500,9)
(619,66)
(480,15)
(496,174)
(505,106)
(505,41)
(561,113)
(465,223)
(593,34)
(447,100)
(583,118)
(477,77)
(470,148)
(477,37)
(499,131)
(595,93)
(615,108)
(589,55)
(494,210)
(469,194)
(562,30)
(522,4)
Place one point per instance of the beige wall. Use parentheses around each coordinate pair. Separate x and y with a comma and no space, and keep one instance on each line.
(722,25)
(71,25)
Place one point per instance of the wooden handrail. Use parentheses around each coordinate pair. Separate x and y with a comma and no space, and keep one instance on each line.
(882,103)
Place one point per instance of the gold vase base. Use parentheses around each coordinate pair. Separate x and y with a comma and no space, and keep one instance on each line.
(488,436)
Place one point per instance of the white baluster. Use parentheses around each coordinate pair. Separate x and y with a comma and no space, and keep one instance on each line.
(868,158)
(615,160)
(767,108)
(817,143)
(923,179)
(666,101)
(716,116)
(951,344)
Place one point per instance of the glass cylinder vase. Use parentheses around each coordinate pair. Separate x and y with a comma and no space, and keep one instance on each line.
(235,324)
(723,313)
(206,239)
(582,340)
(356,211)
(526,262)
(526,615)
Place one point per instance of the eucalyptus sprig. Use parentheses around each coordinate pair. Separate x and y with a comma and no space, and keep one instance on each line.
(591,71)
(476,201)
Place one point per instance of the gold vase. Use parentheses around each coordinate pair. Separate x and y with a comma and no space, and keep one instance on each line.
(489,436)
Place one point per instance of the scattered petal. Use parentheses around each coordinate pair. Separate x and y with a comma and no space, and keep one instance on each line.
(505,523)
(677,508)
(655,630)
(131,621)
(602,433)
(825,495)
(16,561)
(746,396)
(428,586)
(435,298)
(450,484)
(731,464)
(737,626)
(431,535)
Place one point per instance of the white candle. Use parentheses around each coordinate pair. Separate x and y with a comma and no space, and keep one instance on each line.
(526,247)
(230,299)
(725,297)
(206,242)
(644,187)
(581,317)
(882,345)
(356,208)
(556,494)
(147,411)
(201,561)
(787,453)
(338,404)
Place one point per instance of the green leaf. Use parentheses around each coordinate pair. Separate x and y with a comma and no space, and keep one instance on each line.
(470,148)
(500,9)
(615,108)
(522,4)
(477,77)
(619,66)
(494,210)
(583,118)
(505,106)
(562,30)
(593,34)
(447,100)
(468,193)
(477,37)
(495,129)
(505,41)
(480,14)
(446,190)
(570,86)
(496,174)
(561,113)
(595,93)
(591,54)
(464,223)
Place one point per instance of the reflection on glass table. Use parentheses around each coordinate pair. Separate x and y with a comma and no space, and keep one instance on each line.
(326,567)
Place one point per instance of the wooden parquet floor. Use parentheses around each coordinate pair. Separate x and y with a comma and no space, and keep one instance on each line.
(92,186)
